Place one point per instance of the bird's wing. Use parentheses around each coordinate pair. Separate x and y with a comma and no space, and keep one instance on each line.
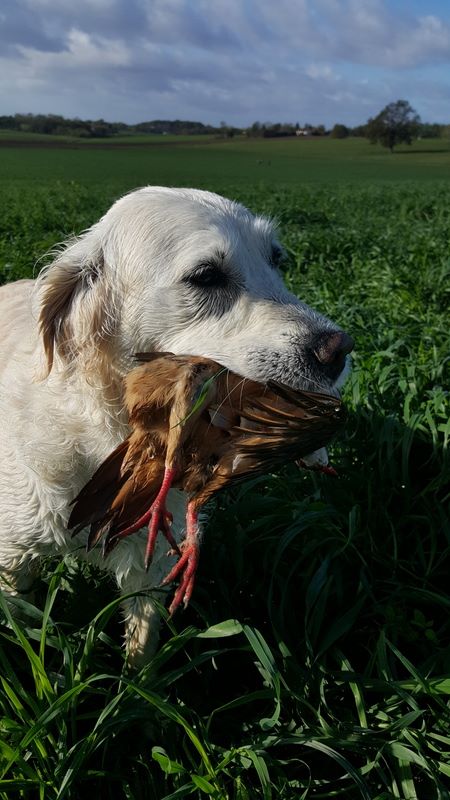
(130,503)
(283,418)
(92,503)
(271,427)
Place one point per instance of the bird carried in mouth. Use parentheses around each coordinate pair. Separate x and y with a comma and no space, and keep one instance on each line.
(199,427)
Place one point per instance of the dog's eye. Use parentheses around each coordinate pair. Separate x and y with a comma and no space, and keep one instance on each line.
(207,277)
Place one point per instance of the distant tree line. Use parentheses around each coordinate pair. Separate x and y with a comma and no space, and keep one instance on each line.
(274,130)
(396,123)
(58,125)
(177,126)
(99,128)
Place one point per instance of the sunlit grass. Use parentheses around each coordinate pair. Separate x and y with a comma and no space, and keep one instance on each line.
(203,161)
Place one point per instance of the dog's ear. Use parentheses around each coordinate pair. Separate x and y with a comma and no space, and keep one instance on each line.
(68,279)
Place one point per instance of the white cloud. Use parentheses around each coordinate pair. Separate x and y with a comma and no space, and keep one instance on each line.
(315,71)
(368,32)
(428,40)
(82,50)
(67,5)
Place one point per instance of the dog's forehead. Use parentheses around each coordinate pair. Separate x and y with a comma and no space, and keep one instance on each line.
(224,220)
(229,237)
(176,219)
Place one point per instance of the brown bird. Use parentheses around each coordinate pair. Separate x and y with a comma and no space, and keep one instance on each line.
(198,427)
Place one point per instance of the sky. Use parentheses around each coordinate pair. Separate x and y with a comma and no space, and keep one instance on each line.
(237,61)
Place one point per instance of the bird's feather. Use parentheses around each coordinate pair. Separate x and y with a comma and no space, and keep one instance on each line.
(100,491)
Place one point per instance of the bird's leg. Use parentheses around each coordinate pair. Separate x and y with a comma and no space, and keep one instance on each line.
(159,517)
(187,565)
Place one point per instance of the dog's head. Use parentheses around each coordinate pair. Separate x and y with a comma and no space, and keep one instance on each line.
(189,272)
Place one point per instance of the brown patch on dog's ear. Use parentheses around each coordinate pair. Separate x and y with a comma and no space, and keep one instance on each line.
(61,283)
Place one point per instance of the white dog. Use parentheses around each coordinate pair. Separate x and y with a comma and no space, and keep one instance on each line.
(177,270)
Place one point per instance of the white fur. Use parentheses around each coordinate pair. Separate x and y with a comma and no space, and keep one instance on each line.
(123,287)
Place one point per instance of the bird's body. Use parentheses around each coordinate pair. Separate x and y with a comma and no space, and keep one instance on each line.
(198,427)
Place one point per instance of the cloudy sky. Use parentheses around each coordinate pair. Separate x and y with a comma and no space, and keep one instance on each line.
(316,61)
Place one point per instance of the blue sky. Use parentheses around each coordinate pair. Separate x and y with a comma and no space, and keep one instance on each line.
(316,61)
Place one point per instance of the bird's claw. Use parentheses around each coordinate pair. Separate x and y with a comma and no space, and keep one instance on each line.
(186,566)
(160,520)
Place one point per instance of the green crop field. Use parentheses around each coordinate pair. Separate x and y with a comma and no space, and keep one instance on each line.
(203,161)
(314,659)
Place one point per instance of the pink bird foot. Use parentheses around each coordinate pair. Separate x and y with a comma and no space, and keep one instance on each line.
(187,564)
(158,518)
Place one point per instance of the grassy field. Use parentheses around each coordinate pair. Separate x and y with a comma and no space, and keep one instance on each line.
(314,660)
(209,162)
(25,139)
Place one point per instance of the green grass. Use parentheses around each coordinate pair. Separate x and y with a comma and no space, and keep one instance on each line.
(314,661)
(206,161)
(56,140)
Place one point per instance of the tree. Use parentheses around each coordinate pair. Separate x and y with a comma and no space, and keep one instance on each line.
(339,131)
(395,124)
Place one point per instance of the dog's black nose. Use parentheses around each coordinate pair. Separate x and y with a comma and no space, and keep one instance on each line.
(330,349)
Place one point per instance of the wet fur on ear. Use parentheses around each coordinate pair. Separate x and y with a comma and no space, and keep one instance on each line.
(68,282)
